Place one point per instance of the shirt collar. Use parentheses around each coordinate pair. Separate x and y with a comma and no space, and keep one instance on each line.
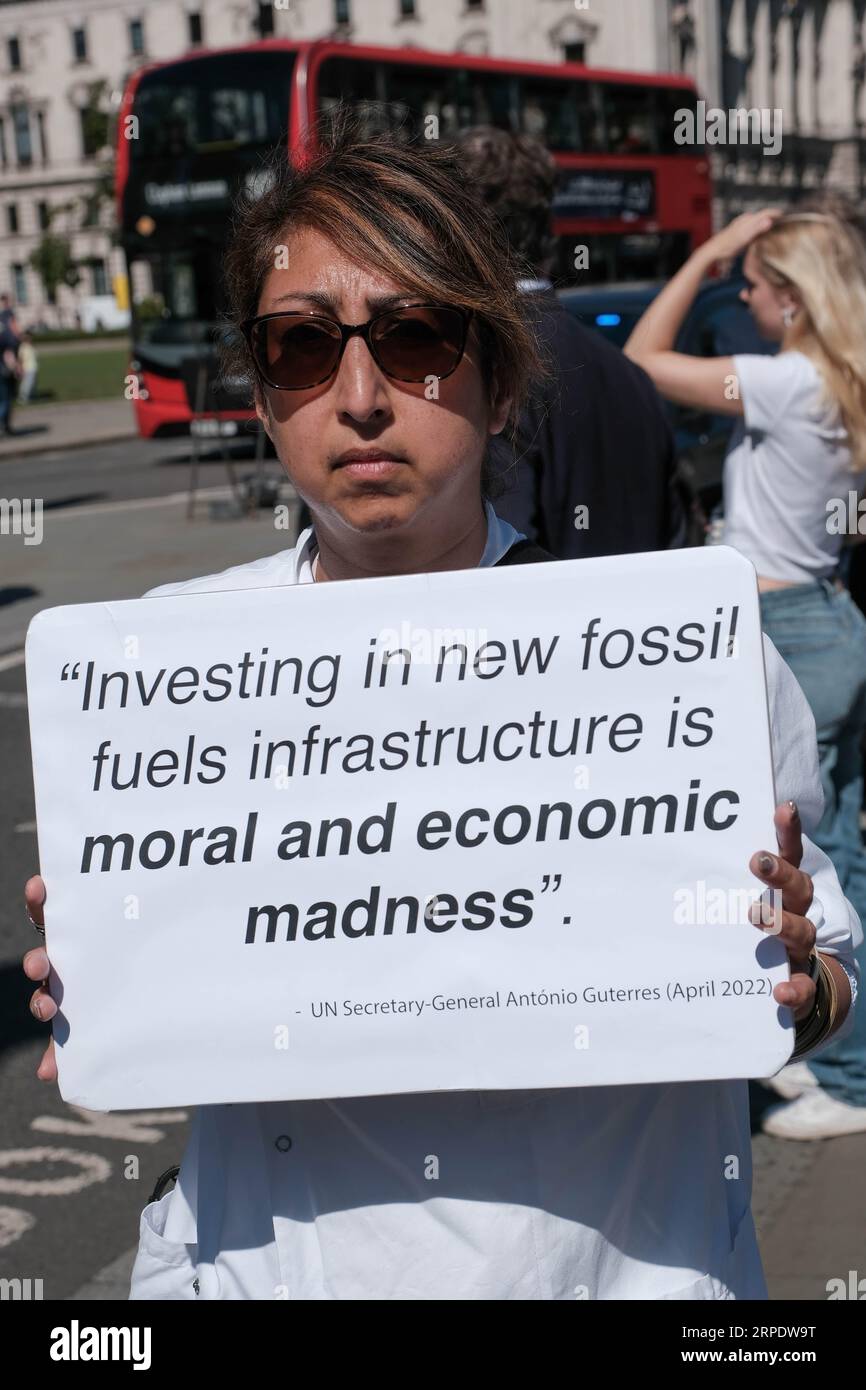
(501,536)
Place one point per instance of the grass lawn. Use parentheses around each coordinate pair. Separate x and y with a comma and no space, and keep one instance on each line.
(81,376)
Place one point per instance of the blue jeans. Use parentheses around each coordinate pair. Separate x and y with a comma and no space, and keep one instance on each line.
(821,634)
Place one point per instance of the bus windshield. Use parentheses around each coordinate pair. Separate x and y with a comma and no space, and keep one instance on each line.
(189,109)
(204,127)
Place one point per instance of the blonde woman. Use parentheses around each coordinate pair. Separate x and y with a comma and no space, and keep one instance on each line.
(796,460)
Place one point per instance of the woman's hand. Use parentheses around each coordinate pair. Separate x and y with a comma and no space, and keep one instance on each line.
(36,967)
(732,240)
(797,933)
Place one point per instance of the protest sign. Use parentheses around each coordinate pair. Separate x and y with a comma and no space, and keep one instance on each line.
(472,830)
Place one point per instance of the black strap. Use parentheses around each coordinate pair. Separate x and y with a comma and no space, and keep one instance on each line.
(162,1182)
(525,552)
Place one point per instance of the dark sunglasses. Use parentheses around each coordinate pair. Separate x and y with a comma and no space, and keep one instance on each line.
(293,351)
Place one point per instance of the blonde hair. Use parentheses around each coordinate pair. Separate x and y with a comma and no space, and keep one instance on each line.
(823,258)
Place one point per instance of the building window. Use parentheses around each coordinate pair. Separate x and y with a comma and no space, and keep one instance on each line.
(265,21)
(13,50)
(12,218)
(341,12)
(407,9)
(136,37)
(43,212)
(3,156)
(196,33)
(19,284)
(574,53)
(475,4)
(43,138)
(21,126)
(79,45)
(99,276)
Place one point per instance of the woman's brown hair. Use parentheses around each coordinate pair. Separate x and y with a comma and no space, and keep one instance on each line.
(405,209)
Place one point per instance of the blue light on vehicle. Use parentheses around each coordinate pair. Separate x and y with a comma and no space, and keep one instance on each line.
(607,320)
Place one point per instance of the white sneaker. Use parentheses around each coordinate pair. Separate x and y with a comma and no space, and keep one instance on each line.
(814,1115)
(792,1080)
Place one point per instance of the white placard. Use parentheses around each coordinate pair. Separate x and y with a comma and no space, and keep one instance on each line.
(473,830)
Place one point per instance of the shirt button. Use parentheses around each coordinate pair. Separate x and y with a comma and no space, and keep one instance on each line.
(283,1143)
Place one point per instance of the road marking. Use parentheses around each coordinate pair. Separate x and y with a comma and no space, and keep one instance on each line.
(14,1224)
(24,826)
(129,1128)
(11,659)
(91,1168)
(13,700)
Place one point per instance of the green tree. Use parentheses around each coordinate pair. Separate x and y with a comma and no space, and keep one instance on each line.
(53,263)
(98,128)
(95,120)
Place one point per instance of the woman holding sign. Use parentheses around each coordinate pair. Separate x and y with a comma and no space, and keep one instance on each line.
(795,464)
(384,350)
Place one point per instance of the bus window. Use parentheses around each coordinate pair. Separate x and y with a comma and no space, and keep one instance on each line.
(352,80)
(563,115)
(179,114)
(399,96)
(548,112)
(176,295)
(379,98)
(616,258)
(238,117)
(631,119)
(671,104)
(485,98)
(414,94)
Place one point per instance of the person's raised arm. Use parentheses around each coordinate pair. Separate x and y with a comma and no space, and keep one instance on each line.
(703,383)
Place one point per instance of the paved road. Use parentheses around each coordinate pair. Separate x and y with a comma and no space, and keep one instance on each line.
(122,506)
(118,470)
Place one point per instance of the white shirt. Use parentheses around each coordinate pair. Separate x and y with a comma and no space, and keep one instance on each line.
(787,459)
(602,1193)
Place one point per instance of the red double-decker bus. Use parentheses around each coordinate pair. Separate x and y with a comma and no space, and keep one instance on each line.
(192,131)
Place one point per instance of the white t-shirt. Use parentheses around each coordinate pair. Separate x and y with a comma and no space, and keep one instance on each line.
(602,1192)
(788,457)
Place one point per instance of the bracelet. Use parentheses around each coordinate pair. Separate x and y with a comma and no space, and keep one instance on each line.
(813,1030)
(810,1028)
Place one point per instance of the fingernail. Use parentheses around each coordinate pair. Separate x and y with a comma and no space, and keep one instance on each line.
(37,1008)
(767,864)
(794,810)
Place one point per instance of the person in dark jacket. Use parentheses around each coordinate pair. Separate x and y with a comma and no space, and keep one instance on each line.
(9,373)
(590,469)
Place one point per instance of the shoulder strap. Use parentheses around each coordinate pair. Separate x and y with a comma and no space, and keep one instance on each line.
(524,552)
